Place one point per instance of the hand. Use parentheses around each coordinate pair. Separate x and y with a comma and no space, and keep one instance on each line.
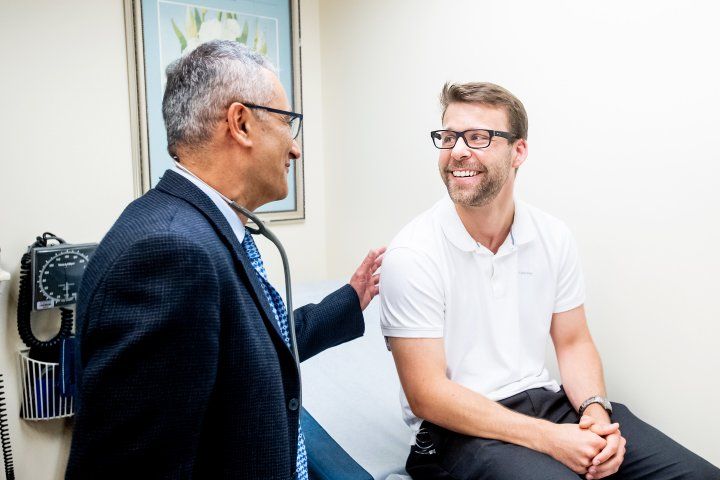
(574,447)
(608,461)
(365,280)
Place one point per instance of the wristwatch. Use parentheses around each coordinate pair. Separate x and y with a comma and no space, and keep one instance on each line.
(596,399)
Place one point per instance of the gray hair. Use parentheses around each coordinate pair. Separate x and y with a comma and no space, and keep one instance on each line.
(203,83)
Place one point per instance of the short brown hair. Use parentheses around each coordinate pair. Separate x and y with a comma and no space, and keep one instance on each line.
(488,94)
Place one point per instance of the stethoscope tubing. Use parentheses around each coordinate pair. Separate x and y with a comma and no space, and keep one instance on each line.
(267,233)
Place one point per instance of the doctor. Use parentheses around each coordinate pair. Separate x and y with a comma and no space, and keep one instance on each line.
(185,363)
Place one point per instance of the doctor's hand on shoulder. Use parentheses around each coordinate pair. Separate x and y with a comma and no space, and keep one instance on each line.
(366,278)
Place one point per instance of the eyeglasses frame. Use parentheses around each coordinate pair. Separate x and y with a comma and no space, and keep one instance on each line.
(292,115)
(493,133)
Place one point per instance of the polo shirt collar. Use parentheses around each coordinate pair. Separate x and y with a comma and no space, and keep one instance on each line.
(522,230)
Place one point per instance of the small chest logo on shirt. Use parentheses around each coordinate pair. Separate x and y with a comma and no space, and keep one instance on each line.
(521,272)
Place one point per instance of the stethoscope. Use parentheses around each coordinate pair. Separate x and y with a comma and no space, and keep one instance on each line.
(265,232)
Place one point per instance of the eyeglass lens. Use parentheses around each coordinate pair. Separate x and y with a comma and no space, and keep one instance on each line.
(473,138)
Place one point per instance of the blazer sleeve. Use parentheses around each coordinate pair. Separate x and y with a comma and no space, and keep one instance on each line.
(335,320)
(148,354)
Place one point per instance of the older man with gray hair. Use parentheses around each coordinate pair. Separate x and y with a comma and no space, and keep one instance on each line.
(185,362)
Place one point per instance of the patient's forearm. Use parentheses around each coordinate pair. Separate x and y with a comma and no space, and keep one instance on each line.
(582,373)
(452,406)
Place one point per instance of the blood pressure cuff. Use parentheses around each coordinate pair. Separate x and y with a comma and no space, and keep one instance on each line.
(66,382)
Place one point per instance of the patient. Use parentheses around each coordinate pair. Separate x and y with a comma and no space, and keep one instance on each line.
(470,291)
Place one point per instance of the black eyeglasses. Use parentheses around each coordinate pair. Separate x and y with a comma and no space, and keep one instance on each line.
(294,119)
(476,138)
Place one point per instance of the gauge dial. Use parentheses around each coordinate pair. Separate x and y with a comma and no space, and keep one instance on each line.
(60,275)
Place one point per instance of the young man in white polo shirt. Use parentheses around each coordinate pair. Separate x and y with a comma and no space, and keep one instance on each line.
(470,291)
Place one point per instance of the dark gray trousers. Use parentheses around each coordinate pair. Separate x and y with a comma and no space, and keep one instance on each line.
(441,454)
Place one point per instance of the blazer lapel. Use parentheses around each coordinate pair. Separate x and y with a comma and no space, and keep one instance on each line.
(178,186)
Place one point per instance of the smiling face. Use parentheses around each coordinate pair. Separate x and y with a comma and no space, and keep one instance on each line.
(276,147)
(474,177)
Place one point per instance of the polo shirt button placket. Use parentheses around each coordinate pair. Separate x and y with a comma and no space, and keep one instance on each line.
(496,279)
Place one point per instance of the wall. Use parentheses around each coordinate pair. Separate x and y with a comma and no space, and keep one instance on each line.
(623,102)
(65,124)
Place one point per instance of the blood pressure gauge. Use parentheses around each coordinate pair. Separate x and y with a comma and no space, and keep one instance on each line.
(57,271)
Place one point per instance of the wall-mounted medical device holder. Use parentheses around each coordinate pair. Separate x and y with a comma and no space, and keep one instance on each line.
(50,274)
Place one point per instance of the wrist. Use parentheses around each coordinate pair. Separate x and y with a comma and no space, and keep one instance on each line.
(597,412)
(595,400)
(540,441)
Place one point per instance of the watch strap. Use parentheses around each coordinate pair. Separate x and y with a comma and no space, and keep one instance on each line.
(595,399)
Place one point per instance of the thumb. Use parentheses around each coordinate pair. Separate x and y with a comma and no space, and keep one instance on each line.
(586,422)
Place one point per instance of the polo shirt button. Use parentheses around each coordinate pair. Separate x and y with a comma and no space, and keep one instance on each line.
(293,404)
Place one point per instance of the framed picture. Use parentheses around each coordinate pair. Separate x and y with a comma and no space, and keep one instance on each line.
(160,31)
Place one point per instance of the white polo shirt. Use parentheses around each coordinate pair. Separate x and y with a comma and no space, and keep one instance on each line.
(492,310)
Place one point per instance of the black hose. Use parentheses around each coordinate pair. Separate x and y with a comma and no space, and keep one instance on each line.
(5,436)
(43,350)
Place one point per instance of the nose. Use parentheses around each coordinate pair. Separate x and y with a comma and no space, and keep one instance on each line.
(460,151)
(295,151)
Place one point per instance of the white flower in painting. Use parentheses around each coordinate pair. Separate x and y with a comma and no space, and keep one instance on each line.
(230,29)
(192,44)
(210,29)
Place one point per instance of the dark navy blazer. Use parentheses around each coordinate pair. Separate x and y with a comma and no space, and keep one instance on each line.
(182,372)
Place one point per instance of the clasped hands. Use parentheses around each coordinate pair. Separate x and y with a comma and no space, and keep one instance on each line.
(609,459)
(594,447)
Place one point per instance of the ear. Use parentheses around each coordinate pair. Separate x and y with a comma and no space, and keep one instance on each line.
(240,124)
(520,149)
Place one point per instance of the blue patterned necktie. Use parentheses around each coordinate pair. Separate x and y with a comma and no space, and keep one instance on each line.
(280,312)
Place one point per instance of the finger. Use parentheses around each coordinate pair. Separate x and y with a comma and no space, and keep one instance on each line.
(376,266)
(373,259)
(378,261)
(608,468)
(375,279)
(605,430)
(586,422)
(613,442)
(375,253)
(367,261)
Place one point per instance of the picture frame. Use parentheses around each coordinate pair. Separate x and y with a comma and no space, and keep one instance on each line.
(158,31)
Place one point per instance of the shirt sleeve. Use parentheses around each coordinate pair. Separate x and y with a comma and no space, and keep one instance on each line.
(570,283)
(412,302)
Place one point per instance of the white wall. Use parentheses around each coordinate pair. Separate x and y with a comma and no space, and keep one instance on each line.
(65,123)
(623,101)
